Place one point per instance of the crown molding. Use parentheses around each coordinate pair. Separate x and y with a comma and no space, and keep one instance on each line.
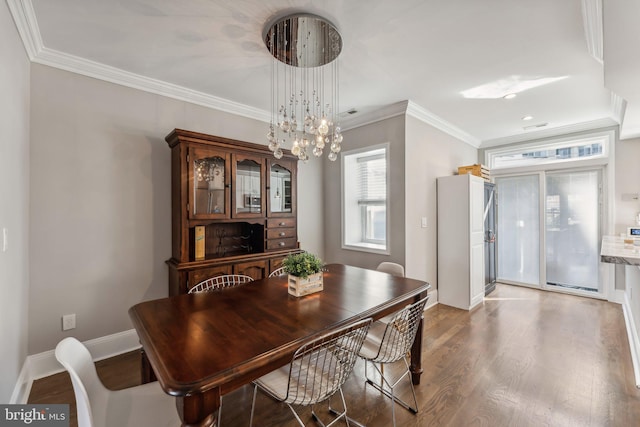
(25,19)
(410,109)
(618,108)
(618,111)
(107,73)
(24,16)
(552,132)
(416,111)
(26,23)
(592,20)
(369,117)
(626,133)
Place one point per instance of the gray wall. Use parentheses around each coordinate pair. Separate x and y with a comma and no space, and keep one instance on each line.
(14,208)
(391,131)
(100,199)
(627,181)
(430,153)
(310,206)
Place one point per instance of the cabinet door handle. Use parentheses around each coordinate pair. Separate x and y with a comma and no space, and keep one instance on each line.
(282,224)
(282,234)
(282,243)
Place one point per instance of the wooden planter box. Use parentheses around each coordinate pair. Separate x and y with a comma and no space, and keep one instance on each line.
(299,287)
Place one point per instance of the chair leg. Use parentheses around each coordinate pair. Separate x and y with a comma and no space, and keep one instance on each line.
(220,413)
(388,391)
(253,407)
(253,404)
(295,414)
(339,415)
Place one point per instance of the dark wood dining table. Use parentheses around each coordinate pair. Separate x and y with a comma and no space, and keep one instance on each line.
(202,346)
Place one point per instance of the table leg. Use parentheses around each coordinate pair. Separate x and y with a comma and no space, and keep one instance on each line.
(146,371)
(199,410)
(416,355)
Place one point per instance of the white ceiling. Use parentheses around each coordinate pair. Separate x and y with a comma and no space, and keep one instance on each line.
(424,51)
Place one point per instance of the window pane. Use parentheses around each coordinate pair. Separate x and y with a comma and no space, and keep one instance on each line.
(375,223)
(365,199)
(518,240)
(550,154)
(572,236)
(372,177)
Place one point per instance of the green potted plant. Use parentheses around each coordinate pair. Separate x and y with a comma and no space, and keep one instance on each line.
(305,273)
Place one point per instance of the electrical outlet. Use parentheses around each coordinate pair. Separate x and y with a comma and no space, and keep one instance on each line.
(68,322)
(5,239)
(423,223)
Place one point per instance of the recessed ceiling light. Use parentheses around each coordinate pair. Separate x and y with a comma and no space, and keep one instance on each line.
(510,96)
(527,118)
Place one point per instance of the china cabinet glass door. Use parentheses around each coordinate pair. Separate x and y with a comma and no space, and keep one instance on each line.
(209,182)
(280,191)
(247,186)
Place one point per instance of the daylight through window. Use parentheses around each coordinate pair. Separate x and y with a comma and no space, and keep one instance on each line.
(365,199)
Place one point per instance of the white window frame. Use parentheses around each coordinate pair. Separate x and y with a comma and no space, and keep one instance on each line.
(350,208)
(606,161)
(606,138)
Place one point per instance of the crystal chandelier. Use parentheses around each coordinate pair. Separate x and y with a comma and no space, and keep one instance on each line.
(304,86)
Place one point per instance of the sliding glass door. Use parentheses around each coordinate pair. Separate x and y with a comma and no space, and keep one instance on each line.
(518,231)
(566,226)
(572,229)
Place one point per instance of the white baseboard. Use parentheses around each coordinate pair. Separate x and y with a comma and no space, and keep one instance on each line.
(43,364)
(23,386)
(634,339)
(617,296)
(433,299)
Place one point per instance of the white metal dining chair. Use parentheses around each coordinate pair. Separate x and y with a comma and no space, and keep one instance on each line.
(317,371)
(392,268)
(220,282)
(390,342)
(97,406)
(277,272)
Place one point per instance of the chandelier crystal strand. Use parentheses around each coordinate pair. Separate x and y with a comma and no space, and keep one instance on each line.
(304,92)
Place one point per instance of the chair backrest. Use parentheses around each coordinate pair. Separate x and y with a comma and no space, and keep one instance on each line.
(318,369)
(220,282)
(277,272)
(391,268)
(91,396)
(400,332)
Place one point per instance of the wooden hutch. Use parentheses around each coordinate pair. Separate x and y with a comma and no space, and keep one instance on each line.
(236,200)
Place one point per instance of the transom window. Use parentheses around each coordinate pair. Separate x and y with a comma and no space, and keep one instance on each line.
(549,153)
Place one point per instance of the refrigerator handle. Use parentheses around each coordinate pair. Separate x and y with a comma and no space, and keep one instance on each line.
(490,237)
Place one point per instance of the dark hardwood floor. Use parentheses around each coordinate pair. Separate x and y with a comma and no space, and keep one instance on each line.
(525,358)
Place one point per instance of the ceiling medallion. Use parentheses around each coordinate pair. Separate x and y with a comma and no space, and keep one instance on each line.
(304,86)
